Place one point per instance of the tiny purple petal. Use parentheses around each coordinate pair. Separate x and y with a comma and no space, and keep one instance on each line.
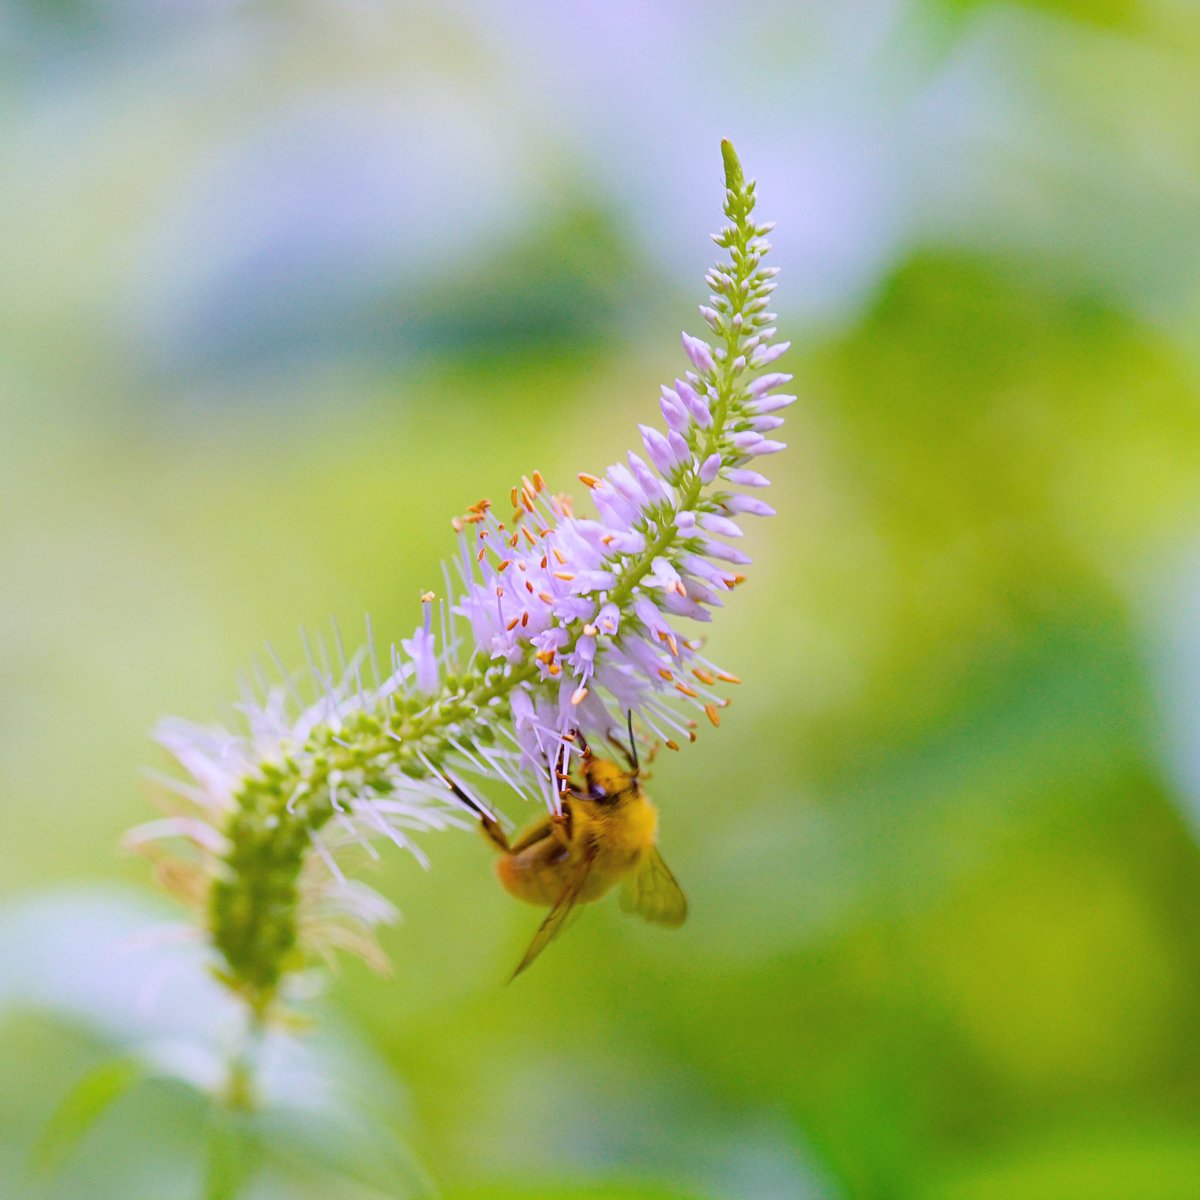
(593,581)
(658,448)
(768,404)
(685,606)
(622,479)
(749,504)
(767,446)
(764,383)
(650,616)
(765,355)
(686,521)
(420,648)
(694,403)
(664,575)
(725,553)
(722,525)
(647,480)
(626,541)
(609,619)
(679,448)
(747,442)
(673,410)
(699,352)
(764,424)
(746,478)
(695,565)
(709,468)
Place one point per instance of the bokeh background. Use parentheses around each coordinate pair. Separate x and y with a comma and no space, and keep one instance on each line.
(287,284)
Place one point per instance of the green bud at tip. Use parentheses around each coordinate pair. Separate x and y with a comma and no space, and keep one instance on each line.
(735,181)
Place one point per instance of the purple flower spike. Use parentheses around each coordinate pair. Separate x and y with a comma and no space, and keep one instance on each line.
(555,622)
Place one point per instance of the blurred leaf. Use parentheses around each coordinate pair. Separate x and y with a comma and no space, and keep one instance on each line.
(81,1108)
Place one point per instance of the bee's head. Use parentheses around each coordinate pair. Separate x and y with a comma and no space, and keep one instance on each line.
(606,781)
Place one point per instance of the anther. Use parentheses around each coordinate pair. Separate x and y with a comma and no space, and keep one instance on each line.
(710,711)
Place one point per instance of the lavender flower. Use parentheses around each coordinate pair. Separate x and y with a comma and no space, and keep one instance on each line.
(557,622)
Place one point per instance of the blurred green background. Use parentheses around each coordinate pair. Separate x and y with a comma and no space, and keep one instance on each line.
(285,285)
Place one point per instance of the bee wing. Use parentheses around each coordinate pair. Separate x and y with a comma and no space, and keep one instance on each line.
(556,919)
(652,893)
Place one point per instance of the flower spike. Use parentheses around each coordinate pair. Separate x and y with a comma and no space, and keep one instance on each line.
(557,624)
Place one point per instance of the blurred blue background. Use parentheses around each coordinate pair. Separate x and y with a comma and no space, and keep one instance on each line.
(286,285)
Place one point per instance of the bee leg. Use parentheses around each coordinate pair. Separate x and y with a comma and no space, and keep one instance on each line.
(578,738)
(488,823)
(565,823)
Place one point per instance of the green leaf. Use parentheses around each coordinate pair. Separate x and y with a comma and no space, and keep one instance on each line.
(81,1108)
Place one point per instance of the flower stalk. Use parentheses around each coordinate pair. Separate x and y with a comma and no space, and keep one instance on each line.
(556,622)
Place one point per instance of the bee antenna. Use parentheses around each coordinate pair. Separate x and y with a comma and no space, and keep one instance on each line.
(633,751)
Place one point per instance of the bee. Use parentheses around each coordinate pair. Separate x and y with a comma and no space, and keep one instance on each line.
(604,835)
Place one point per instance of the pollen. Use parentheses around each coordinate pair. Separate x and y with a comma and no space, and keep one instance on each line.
(710,711)
(579,696)
(588,481)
